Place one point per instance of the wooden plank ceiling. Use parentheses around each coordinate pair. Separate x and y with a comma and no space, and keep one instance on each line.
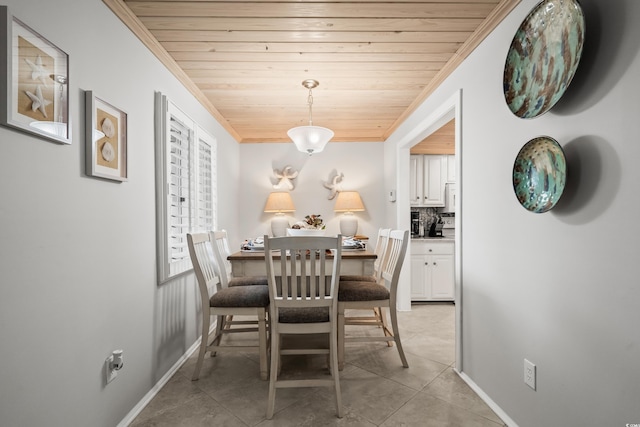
(376,61)
(442,141)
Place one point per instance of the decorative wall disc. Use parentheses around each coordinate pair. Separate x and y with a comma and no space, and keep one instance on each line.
(539,174)
(543,57)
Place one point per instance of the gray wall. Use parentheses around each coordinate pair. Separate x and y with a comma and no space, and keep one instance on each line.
(78,254)
(560,288)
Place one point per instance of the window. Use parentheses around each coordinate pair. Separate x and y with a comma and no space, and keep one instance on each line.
(186,185)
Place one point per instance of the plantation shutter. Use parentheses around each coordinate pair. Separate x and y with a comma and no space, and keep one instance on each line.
(206,200)
(186,186)
(180,197)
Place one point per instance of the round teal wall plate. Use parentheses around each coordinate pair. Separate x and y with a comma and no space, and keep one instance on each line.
(543,57)
(539,174)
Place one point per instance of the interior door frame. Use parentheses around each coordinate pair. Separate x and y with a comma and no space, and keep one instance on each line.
(450,109)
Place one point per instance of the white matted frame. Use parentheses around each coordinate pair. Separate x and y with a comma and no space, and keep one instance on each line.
(34,92)
(105,139)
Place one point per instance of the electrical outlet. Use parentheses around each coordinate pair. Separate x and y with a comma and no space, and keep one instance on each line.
(529,374)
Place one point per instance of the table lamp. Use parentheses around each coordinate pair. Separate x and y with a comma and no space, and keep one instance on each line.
(348,202)
(279,202)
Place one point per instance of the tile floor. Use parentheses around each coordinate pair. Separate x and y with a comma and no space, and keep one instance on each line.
(376,389)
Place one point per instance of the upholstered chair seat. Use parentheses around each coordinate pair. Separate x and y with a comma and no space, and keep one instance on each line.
(362,291)
(357,278)
(304,315)
(247,281)
(241,296)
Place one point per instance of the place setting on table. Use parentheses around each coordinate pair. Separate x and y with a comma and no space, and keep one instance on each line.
(250,259)
(356,243)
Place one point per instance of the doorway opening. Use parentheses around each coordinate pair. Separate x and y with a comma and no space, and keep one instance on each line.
(449,111)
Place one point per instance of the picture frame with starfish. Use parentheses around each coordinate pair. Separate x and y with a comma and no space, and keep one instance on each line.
(34,96)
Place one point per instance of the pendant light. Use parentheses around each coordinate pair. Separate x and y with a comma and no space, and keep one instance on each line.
(310,139)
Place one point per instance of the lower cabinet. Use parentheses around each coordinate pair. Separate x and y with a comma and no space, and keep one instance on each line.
(432,271)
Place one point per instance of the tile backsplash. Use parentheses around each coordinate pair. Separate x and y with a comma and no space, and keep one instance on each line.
(429,215)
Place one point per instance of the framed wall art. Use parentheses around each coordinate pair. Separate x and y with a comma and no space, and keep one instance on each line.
(106,139)
(34,91)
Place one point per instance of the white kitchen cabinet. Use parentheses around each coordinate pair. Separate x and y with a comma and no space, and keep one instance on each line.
(415,179)
(427,176)
(432,271)
(451,168)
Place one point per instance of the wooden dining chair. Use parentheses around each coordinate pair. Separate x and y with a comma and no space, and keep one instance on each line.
(218,300)
(223,268)
(381,244)
(222,252)
(303,301)
(366,295)
(378,317)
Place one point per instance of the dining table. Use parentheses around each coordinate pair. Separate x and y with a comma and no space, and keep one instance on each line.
(252,263)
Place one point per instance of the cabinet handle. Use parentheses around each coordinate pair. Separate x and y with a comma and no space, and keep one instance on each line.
(426,263)
(430,250)
(435,263)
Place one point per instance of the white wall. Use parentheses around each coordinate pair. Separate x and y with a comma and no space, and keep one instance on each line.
(77,254)
(560,288)
(362,166)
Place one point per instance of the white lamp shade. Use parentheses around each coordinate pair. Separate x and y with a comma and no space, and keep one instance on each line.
(310,139)
(279,201)
(348,201)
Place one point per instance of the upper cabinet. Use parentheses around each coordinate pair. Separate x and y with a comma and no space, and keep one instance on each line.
(428,175)
(432,165)
(451,168)
(415,180)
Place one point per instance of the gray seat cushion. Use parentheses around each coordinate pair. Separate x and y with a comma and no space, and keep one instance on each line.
(248,280)
(362,291)
(241,296)
(304,315)
(352,278)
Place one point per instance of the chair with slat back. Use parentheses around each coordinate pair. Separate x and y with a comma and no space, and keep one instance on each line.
(381,244)
(364,295)
(223,269)
(250,300)
(303,300)
(222,251)
(378,317)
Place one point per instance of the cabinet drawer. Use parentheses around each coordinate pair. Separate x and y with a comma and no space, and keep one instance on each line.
(429,248)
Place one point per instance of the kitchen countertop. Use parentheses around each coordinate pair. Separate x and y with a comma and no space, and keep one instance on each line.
(446,237)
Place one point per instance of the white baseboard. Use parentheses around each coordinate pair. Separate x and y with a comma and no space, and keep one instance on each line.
(493,405)
(128,419)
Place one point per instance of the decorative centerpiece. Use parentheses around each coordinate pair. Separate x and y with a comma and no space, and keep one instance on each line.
(311,226)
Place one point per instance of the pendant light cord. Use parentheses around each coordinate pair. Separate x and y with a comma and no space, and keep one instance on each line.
(310,102)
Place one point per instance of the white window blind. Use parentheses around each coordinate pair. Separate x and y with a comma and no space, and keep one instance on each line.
(187,186)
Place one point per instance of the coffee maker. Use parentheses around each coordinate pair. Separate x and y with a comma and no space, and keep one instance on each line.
(415,224)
